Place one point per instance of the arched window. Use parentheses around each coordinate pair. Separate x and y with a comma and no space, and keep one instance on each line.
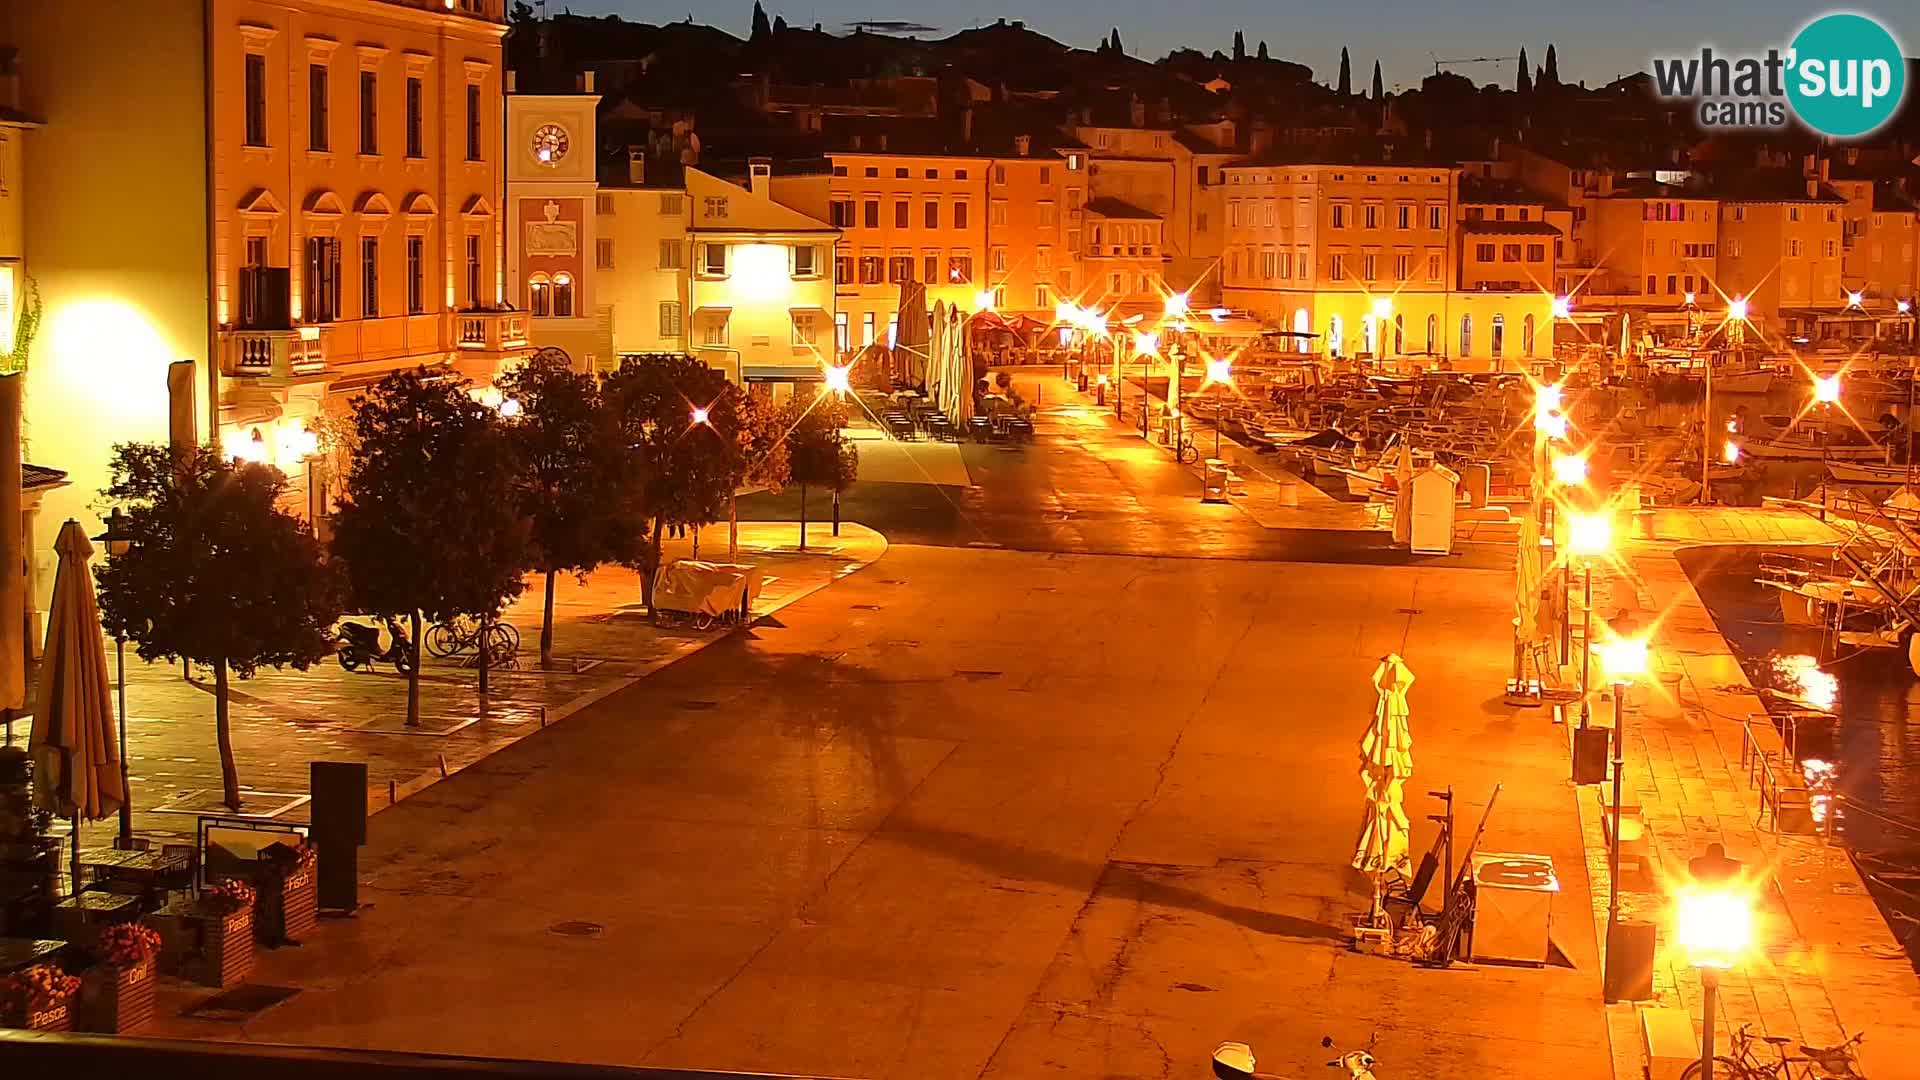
(1302,329)
(1433,333)
(563,295)
(1399,334)
(1526,335)
(1499,335)
(1370,335)
(540,296)
(1466,335)
(1335,331)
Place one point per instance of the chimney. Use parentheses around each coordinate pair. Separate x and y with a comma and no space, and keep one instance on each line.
(1807,165)
(857,140)
(1022,145)
(1606,183)
(883,142)
(760,177)
(513,83)
(966,126)
(1853,155)
(586,81)
(1813,187)
(1825,164)
(1136,112)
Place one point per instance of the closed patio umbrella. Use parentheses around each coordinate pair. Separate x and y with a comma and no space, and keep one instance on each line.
(1386,764)
(76,767)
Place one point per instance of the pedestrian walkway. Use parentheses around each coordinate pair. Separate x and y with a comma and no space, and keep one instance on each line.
(1268,493)
(282,719)
(1825,964)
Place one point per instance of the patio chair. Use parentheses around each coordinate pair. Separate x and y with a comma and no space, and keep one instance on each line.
(980,428)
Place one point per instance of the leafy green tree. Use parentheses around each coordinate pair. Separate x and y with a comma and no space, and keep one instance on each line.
(217,573)
(762,454)
(430,519)
(822,455)
(678,424)
(566,445)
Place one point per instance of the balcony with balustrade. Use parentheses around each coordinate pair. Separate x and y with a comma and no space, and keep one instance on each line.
(489,10)
(276,356)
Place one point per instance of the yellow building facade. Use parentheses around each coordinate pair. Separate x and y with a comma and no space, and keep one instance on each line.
(907,217)
(1367,260)
(1783,254)
(313,205)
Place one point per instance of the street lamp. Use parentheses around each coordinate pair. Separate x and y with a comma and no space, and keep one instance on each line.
(1713,923)
(1562,307)
(1570,470)
(1219,370)
(1176,305)
(1589,536)
(1625,660)
(837,378)
(1826,389)
(118,540)
(699,415)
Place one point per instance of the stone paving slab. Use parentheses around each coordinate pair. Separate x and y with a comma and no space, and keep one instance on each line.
(283,719)
(1827,965)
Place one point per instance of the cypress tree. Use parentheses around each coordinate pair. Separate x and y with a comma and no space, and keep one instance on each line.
(1379,91)
(1553,68)
(1523,79)
(1345,88)
(1239,45)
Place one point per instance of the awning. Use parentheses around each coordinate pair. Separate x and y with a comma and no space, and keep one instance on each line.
(781,373)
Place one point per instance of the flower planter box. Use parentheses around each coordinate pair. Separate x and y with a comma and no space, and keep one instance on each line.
(117,1000)
(207,947)
(289,907)
(50,1016)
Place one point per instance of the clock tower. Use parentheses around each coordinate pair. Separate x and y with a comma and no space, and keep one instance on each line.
(551,234)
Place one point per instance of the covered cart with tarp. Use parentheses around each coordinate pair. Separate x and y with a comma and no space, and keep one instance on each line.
(705,592)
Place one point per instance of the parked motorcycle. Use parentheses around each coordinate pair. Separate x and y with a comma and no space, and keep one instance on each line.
(357,645)
(1234,1061)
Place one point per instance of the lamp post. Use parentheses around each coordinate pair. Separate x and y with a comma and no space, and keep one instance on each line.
(1220,371)
(118,542)
(1906,307)
(1713,922)
(1625,660)
(1588,536)
(1826,393)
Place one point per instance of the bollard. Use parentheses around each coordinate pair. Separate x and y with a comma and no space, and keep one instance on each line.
(393,793)
(443,765)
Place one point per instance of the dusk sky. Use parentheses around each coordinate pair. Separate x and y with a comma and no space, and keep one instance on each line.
(1597,40)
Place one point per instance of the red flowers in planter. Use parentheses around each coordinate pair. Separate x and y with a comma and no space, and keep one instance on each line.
(126,945)
(33,989)
(228,896)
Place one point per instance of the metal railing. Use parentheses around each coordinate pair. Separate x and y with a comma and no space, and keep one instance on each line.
(1775,776)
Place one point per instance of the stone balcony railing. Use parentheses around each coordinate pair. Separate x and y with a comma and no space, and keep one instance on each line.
(491,331)
(490,10)
(272,354)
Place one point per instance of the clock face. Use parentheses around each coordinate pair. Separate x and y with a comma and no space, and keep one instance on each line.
(549,144)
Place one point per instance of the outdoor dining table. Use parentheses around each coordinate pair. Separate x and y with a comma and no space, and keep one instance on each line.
(146,867)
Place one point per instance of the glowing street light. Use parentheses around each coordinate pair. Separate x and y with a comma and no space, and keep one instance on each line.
(1905,307)
(699,415)
(838,378)
(1713,924)
(1562,307)
(1146,343)
(1589,535)
(1625,659)
(1219,370)
(1570,469)
(510,407)
(1546,400)
(1730,453)
(1690,299)
(1737,309)
(983,300)
(1064,312)
(1177,304)
(1854,299)
(1382,307)
(1826,389)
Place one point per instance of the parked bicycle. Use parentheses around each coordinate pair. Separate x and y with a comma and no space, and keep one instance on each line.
(1188,453)
(1747,1060)
(460,636)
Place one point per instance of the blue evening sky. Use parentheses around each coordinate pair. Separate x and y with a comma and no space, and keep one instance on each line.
(1597,39)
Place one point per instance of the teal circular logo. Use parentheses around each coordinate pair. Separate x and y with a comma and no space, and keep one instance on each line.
(1846,75)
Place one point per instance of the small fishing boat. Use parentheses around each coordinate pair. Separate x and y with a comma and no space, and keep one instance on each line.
(1804,444)
(1744,382)
(1867,474)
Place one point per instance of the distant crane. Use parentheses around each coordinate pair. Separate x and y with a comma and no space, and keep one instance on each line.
(1437,62)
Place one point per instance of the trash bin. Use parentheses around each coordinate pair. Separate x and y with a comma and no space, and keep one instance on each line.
(1083,382)
(1214,481)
